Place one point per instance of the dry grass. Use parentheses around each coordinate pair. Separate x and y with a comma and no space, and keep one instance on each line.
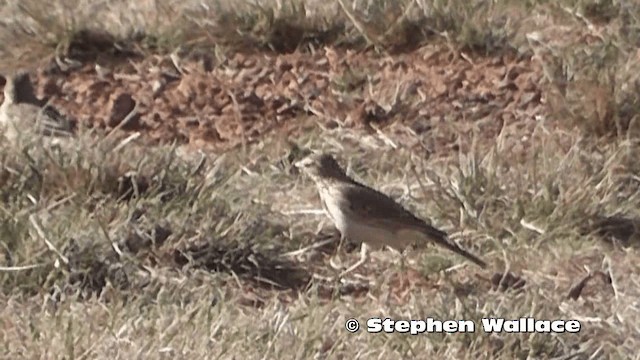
(591,68)
(151,252)
(526,218)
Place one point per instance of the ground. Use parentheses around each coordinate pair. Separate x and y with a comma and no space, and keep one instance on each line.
(174,225)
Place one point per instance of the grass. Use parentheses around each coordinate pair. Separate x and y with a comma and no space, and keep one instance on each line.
(121,250)
(592,63)
(525,218)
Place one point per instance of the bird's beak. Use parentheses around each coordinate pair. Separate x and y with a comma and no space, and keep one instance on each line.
(303,163)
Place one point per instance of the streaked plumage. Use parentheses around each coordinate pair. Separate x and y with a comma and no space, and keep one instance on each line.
(365,215)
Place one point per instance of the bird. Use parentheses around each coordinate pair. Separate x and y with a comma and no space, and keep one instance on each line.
(367,216)
(23,113)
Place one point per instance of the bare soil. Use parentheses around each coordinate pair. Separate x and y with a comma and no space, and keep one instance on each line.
(219,104)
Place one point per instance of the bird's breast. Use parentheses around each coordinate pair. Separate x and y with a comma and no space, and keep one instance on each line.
(361,229)
(334,211)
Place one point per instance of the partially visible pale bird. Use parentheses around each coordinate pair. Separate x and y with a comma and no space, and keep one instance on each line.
(366,216)
(22,113)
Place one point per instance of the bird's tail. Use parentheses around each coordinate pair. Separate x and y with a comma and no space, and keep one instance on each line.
(442,239)
(455,248)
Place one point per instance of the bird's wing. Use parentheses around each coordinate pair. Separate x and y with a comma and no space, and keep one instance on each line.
(365,201)
(361,200)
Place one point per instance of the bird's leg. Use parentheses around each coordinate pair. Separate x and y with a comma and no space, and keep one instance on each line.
(363,259)
(337,254)
(401,254)
(341,244)
(403,267)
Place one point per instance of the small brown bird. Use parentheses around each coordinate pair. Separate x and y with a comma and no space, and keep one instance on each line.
(23,113)
(365,215)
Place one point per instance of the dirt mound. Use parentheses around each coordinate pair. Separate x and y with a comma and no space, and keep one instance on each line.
(219,103)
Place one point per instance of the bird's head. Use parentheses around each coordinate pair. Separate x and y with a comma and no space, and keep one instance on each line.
(321,166)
